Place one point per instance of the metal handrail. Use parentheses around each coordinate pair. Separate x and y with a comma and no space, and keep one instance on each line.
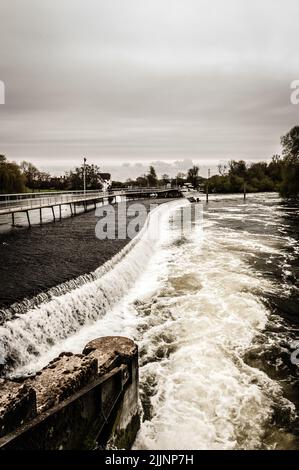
(80,191)
(30,200)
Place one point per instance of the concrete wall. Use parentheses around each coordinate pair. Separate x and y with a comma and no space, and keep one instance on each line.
(78,401)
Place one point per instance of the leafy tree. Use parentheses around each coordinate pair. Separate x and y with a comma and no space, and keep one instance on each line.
(275,169)
(192,176)
(290,173)
(142,181)
(219,183)
(237,168)
(179,180)
(11,178)
(257,170)
(152,177)
(257,176)
(93,177)
(165,179)
(290,145)
(118,184)
(222,169)
(31,174)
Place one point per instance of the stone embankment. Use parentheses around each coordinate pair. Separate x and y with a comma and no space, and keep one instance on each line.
(78,401)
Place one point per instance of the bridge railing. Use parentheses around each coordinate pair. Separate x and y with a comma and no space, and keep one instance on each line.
(38,199)
(24,200)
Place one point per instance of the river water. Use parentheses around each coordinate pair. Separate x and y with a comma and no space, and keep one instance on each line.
(214,313)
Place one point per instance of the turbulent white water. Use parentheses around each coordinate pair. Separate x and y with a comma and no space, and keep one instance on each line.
(193,305)
(34,333)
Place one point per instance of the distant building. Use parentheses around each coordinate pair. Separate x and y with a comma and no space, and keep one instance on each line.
(106,182)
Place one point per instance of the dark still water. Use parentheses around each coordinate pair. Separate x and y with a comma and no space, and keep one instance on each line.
(214,314)
(35,260)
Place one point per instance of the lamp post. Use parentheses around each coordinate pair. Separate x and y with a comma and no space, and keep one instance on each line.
(84,175)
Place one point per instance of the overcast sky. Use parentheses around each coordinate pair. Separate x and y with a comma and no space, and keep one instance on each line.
(146,80)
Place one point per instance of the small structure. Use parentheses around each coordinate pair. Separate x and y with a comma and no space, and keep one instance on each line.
(106,181)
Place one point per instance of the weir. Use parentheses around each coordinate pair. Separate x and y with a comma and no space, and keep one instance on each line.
(62,311)
(78,401)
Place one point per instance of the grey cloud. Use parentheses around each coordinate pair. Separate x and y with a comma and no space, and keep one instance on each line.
(144,81)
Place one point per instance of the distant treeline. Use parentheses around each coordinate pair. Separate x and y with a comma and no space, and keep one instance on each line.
(281,174)
(26,177)
(256,177)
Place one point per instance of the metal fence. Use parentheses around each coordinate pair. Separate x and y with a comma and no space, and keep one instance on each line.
(29,200)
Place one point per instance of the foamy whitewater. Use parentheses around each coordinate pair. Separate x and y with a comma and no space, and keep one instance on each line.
(193,304)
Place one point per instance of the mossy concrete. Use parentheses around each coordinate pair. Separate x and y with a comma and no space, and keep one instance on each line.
(77,402)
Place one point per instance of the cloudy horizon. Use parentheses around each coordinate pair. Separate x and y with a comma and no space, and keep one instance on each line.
(129,81)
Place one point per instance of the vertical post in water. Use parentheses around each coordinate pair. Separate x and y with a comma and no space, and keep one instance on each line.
(207,186)
(245,190)
(40,216)
(28,218)
(84,174)
(13,219)
(54,220)
(60,212)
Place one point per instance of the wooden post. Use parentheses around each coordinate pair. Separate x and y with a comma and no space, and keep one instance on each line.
(245,190)
(53,214)
(207,186)
(75,210)
(40,216)
(28,218)
(71,208)
(60,212)
(13,219)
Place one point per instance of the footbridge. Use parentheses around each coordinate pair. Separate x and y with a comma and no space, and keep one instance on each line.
(12,204)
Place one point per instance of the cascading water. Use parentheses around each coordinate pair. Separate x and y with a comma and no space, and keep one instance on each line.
(201,309)
(31,334)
